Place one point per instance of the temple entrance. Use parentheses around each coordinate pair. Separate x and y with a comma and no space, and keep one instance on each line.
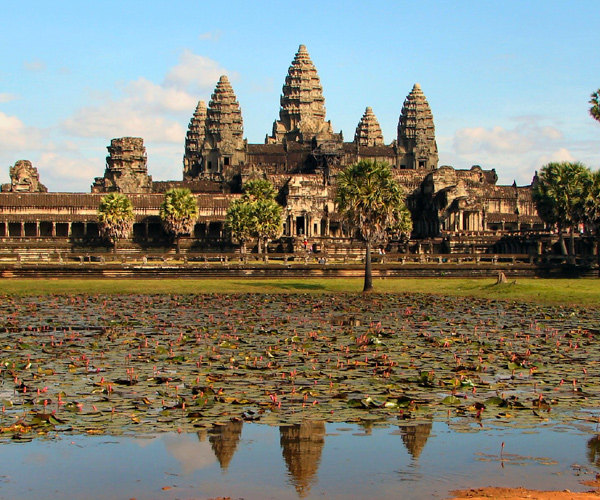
(300,226)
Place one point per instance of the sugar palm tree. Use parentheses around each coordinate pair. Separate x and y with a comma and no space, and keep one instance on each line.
(559,192)
(179,213)
(259,189)
(267,221)
(372,201)
(595,108)
(115,217)
(239,221)
(592,210)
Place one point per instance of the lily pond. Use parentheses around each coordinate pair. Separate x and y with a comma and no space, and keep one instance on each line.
(294,396)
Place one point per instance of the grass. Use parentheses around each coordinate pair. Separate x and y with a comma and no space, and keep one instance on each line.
(583,292)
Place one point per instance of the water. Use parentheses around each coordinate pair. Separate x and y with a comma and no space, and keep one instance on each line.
(314,460)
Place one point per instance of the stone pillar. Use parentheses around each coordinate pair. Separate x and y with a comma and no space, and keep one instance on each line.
(22,233)
(37,228)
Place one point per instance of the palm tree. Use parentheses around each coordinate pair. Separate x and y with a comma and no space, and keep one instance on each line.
(267,219)
(372,201)
(179,213)
(239,221)
(592,210)
(115,217)
(259,189)
(595,102)
(559,192)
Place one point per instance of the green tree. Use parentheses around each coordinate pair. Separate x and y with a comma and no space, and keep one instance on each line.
(268,221)
(372,201)
(592,210)
(595,108)
(560,193)
(255,214)
(179,213)
(239,221)
(259,189)
(115,217)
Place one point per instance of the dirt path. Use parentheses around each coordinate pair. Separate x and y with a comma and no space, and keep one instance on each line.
(522,493)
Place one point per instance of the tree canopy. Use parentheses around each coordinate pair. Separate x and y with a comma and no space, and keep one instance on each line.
(560,192)
(115,217)
(255,214)
(179,213)
(372,201)
(595,105)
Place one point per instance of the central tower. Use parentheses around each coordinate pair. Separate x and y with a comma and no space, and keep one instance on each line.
(302,112)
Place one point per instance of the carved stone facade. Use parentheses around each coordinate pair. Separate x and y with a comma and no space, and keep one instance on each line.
(416,133)
(24,178)
(193,165)
(126,169)
(368,131)
(302,158)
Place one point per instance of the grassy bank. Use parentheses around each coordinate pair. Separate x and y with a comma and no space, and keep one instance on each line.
(584,292)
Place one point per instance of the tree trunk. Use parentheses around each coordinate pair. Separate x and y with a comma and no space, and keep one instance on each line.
(368,272)
(115,245)
(561,241)
(243,247)
(177,248)
(572,243)
(259,249)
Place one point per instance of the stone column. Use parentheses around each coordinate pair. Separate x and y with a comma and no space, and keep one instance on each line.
(37,228)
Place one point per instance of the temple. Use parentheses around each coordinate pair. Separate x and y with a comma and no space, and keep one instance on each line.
(453,210)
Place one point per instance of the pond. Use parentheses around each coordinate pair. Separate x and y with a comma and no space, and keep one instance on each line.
(280,396)
(312,460)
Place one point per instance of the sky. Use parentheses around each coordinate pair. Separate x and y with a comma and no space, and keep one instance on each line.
(508,82)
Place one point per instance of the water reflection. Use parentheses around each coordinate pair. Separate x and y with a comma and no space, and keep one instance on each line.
(415,437)
(302,446)
(358,462)
(593,446)
(224,440)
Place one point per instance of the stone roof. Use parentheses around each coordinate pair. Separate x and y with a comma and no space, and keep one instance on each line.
(368,132)
(224,124)
(302,112)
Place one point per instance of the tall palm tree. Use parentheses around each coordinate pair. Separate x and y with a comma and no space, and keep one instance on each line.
(115,217)
(239,221)
(559,192)
(259,189)
(372,201)
(592,210)
(595,108)
(179,213)
(267,220)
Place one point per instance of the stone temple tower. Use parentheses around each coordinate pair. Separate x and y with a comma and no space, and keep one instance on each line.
(368,131)
(302,112)
(223,142)
(417,148)
(192,160)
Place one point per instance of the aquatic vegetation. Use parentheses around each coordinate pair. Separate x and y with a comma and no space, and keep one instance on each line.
(150,363)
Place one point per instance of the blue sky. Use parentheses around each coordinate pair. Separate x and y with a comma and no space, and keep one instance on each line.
(508,82)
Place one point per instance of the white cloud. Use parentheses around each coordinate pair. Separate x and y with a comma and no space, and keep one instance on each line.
(194,73)
(145,109)
(495,140)
(66,171)
(559,155)
(515,153)
(213,36)
(6,97)
(35,65)
(144,94)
